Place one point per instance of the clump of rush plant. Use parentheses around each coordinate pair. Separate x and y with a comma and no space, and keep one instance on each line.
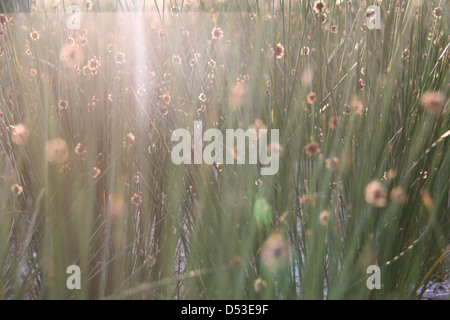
(86,177)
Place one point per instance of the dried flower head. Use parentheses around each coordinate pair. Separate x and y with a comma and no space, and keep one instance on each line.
(72,55)
(57,151)
(319,6)
(94,63)
(324,217)
(136,200)
(279,51)
(161,34)
(201,109)
(236,261)
(150,261)
(87,71)
(257,126)
(166,98)
(116,206)
(96,172)
(305,51)
(92,103)
(275,252)
(176,59)
(307,78)
(19,134)
(130,138)
(17,189)
(217,33)
(437,12)
(259,284)
(398,195)
(275,149)
(34,35)
(312,149)
(405,54)
(175,11)
(427,199)
(83,41)
(63,104)
(65,168)
(3,19)
(362,85)
(120,58)
(332,164)
(202,97)
(334,122)
(237,94)
(212,64)
(356,105)
(309,199)
(311,98)
(376,194)
(433,102)
(81,151)
(141,90)
(33,72)
(164,110)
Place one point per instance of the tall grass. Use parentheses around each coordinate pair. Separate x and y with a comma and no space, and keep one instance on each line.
(366,150)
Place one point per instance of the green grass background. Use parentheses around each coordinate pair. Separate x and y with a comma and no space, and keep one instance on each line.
(195,235)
